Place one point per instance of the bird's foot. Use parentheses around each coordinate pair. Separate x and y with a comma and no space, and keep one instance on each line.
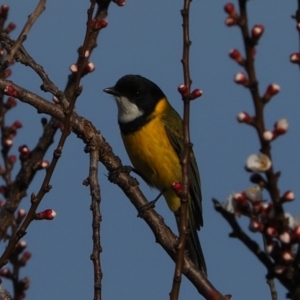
(149,205)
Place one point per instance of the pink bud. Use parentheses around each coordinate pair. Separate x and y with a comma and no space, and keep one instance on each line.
(12,159)
(24,151)
(268,136)
(21,213)
(257,31)
(296,234)
(298,26)
(177,187)
(279,269)
(272,90)
(240,197)
(271,247)
(295,58)
(230,21)
(10,91)
(47,214)
(236,55)
(25,257)
(44,164)
(120,2)
(195,94)
(243,117)
(7,143)
(74,68)
(10,27)
(288,196)
(281,126)
(10,103)
(4,8)
(182,89)
(5,273)
(97,25)
(241,78)
(20,246)
(287,256)
(265,208)
(17,125)
(255,226)
(271,231)
(285,237)
(89,68)
(230,9)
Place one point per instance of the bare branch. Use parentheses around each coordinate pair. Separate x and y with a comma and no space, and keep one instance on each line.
(23,35)
(174,294)
(92,180)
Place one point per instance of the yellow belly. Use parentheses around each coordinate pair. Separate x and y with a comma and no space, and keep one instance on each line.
(153,156)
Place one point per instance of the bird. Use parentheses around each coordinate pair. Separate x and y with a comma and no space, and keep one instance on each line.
(152,133)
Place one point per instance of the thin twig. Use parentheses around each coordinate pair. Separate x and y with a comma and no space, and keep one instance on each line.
(23,35)
(95,207)
(270,281)
(28,170)
(174,294)
(86,131)
(45,187)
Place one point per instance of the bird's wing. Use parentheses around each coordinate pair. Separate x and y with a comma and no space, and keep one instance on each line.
(174,133)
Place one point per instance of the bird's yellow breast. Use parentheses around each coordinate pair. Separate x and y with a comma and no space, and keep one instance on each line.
(152,155)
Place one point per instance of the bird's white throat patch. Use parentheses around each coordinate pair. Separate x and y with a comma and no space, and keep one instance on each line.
(127,111)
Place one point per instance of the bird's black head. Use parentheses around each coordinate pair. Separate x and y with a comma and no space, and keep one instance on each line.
(136,96)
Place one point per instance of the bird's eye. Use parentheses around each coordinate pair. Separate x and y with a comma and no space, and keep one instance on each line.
(137,95)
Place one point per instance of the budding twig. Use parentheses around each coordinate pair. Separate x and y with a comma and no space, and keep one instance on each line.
(23,35)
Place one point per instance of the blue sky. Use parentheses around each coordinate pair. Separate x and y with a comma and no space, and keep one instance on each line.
(145,37)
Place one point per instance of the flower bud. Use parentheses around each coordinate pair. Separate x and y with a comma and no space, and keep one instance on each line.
(25,257)
(182,89)
(257,31)
(268,136)
(243,117)
(272,90)
(241,78)
(256,226)
(295,58)
(12,159)
(230,9)
(287,256)
(288,196)
(285,237)
(17,125)
(271,231)
(24,151)
(237,56)
(98,24)
(10,27)
(281,126)
(230,21)
(10,103)
(10,91)
(48,214)
(120,2)
(195,94)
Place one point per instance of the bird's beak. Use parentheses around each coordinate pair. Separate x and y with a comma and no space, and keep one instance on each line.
(111,91)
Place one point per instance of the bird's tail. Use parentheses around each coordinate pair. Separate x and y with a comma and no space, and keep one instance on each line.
(193,245)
